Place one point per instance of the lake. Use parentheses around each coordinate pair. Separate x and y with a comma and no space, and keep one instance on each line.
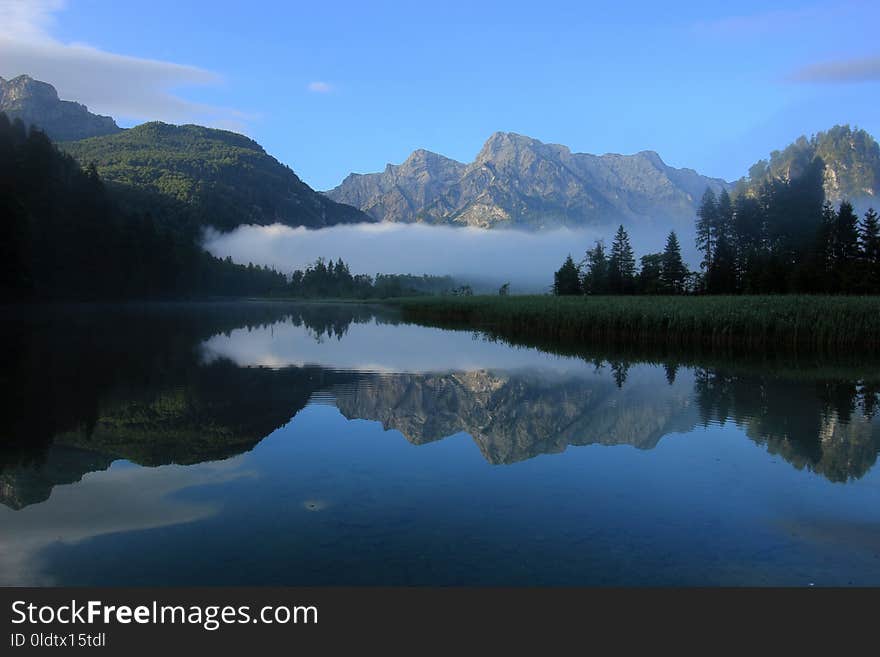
(322,444)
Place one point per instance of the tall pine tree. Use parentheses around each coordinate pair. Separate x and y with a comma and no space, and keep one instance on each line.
(707,220)
(673,272)
(621,264)
(721,273)
(596,277)
(869,238)
(845,249)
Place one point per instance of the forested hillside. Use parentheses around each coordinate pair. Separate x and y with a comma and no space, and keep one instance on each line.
(62,235)
(206,176)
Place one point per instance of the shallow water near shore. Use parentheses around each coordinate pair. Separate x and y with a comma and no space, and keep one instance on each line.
(297,444)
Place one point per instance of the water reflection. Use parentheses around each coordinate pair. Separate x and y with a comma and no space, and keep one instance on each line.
(119,499)
(827,426)
(169,384)
(513,416)
(125,426)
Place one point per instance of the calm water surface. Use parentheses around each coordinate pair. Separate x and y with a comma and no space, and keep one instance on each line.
(309,445)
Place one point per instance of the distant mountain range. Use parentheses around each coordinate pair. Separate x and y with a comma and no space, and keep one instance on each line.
(37,103)
(220,178)
(521,182)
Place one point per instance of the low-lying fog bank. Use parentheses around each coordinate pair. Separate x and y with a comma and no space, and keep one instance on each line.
(483,257)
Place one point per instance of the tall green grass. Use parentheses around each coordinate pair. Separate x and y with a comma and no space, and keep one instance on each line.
(791,323)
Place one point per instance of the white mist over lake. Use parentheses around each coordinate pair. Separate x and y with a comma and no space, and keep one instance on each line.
(526,259)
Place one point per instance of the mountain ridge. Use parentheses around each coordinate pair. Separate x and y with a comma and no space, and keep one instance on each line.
(226,179)
(519,181)
(221,178)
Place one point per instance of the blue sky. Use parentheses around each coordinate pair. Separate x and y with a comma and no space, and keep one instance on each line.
(334,87)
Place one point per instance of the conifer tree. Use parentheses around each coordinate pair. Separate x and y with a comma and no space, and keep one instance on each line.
(845,249)
(567,280)
(869,238)
(596,277)
(707,220)
(673,272)
(621,264)
(650,274)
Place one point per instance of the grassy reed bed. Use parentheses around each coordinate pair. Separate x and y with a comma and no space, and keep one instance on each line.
(822,324)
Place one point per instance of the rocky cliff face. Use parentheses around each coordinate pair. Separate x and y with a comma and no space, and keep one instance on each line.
(521,182)
(403,190)
(37,103)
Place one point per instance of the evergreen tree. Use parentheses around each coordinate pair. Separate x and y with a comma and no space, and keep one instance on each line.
(707,221)
(721,273)
(673,272)
(824,251)
(651,274)
(845,249)
(596,277)
(621,264)
(869,239)
(567,280)
(724,216)
(749,242)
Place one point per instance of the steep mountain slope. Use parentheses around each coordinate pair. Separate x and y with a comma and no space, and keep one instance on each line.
(521,182)
(224,179)
(37,103)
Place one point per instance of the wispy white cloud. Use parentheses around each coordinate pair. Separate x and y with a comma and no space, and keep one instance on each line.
(128,88)
(863,69)
(319,87)
(28,19)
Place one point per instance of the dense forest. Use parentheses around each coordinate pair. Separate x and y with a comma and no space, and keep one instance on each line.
(62,235)
(779,236)
(205,176)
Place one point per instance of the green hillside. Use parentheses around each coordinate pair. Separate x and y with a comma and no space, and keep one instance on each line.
(216,177)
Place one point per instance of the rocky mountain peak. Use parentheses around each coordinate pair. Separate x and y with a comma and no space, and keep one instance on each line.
(653,157)
(422,159)
(510,146)
(37,103)
(24,89)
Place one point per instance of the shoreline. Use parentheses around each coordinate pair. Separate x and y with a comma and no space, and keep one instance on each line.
(820,325)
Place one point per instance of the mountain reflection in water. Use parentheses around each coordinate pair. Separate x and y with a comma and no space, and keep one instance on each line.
(186,384)
(85,388)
